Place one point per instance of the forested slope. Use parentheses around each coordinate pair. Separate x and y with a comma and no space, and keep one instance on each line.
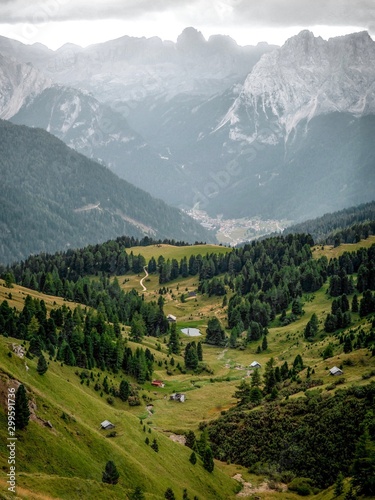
(53,198)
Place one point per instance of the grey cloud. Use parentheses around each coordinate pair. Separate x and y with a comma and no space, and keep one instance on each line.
(284,13)
(21,11)
(280,13)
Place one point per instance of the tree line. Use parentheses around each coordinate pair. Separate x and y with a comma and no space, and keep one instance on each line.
(82,338)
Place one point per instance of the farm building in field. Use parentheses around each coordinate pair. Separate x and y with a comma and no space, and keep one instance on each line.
(255,364)
(177,397)
(171,318)
(106,425)
(335,371)
(158,383)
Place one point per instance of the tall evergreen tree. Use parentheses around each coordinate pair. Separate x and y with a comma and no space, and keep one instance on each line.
(124,390)
(255,378)
(363,470)
(21,409)
(155,445)
(264,343)
(215,333)
(200,351)
(355,306)
(137,494)
(312,327)
(190,440)
(208,460)
(269,376)
(193,458)
(110,474)
(169,494)
(138,328)
(191,356)
(174,341)
(42,366)
(243,393)
(339,485)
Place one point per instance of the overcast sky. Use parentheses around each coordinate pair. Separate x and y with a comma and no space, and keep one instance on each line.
(55,22)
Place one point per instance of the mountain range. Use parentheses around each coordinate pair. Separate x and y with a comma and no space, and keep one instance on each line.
(273,132)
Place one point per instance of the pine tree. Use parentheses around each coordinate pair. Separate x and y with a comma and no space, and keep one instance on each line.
(110,473)
(169,495)
(264,344)
(155,445)
(348,347)
(35,346)
(137,494)
(355,306)
(255,378)
(312,327)
(200,351)
(208,461)
(190,440)
(193,458)
(269,376)
(21,408)
(233,337)
(174,341)
(138,328)
(256,395)
(124,390)
(42,366)
(363,469)
(215,333)
(339,485)
(191,356)
(243,393)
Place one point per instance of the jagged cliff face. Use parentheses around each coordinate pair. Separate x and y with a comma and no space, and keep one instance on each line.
(18,83)
(238,131)
(130,69)
(305,78)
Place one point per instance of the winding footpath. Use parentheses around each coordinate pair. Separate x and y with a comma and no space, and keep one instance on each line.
(144,277)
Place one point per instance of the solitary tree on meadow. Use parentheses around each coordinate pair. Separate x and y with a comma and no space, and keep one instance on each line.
(110,473)
(21,409)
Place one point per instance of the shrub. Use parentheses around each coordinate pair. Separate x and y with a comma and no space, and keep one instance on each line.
(301,485)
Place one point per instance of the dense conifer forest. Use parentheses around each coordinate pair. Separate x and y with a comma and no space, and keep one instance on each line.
(54,198)
(346,226)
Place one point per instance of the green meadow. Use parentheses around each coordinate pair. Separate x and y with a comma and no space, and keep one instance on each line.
(67,460)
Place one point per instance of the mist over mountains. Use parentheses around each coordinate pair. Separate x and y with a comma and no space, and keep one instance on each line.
(235,131)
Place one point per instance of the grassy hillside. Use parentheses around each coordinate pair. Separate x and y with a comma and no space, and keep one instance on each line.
(67,461)
(177,252)
(78,449)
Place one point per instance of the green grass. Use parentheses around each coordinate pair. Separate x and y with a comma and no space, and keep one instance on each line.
(78,450)
(67,461)
(177,252)
(331,252)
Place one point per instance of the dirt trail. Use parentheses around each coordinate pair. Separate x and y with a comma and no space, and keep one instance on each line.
(144,277)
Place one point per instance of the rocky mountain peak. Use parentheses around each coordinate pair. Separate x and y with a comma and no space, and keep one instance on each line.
(191,37)
(305,78)
(18,82)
